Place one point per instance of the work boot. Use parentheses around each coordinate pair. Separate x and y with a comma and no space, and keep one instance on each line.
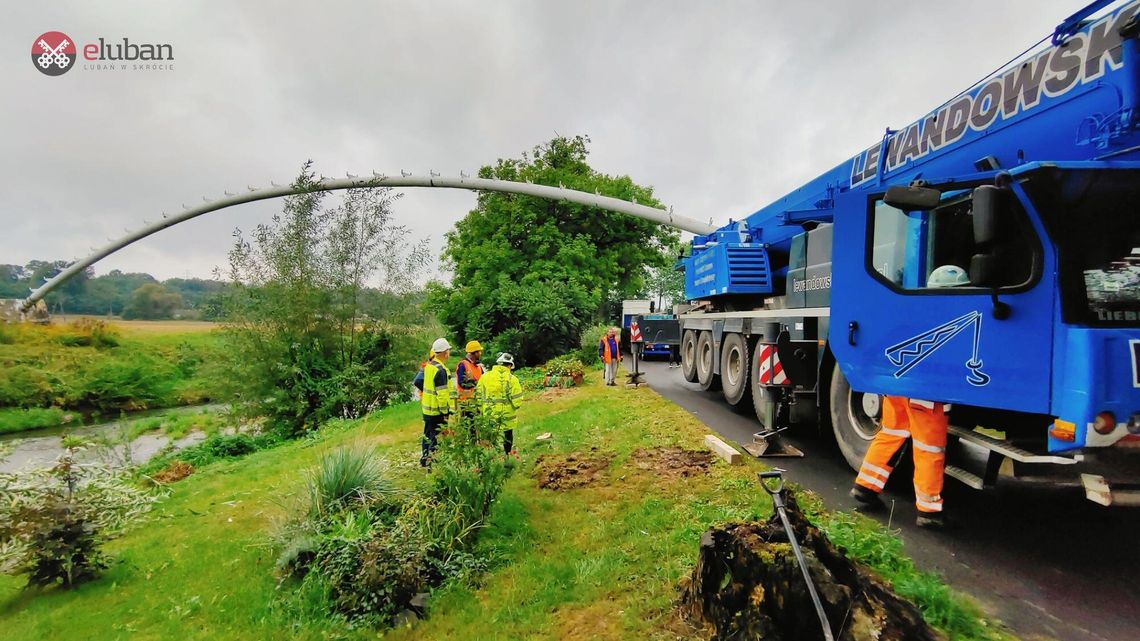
(867,498)
(931,521)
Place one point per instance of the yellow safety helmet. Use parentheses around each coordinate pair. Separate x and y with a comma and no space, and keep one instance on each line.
(474,346)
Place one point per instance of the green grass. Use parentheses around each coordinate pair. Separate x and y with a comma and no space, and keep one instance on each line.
(15,419)
(596,562)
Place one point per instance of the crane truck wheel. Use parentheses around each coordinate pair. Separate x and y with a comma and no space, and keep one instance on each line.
(689,356)
(709,381)
(854,418)
(735,364)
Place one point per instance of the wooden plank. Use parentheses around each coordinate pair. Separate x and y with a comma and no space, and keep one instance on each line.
(723,450)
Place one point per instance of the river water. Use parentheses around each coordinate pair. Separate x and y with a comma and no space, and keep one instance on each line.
(36,448)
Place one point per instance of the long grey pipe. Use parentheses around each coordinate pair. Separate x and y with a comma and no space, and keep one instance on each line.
(356,182)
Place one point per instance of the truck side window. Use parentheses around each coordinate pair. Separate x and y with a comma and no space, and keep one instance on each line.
(932,249)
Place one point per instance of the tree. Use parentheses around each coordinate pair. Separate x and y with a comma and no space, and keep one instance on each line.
(533,272)
(665,284)
(152,302)
(302,350)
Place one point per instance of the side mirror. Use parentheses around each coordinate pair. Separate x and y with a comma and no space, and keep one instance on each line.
(912,198)
(983,270)
(991,210)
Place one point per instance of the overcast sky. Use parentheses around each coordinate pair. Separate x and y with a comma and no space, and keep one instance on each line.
(720,106)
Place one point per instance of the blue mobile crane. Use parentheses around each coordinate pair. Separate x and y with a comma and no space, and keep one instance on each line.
(986,255)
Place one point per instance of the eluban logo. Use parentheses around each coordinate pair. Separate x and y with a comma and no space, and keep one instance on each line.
(53,53)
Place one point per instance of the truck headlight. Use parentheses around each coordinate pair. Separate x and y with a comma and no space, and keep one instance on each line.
(1134,423)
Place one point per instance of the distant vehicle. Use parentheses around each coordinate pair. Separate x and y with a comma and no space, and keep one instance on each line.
(661,333)
(656,342)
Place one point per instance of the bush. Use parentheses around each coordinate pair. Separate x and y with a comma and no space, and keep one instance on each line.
(362,550)
(588,353)
(54,521)
(25,386)
(216,447)
(131,383)
(369,573)
(16,420)
(568,366)
(86,332)
(511,342)
(347,476)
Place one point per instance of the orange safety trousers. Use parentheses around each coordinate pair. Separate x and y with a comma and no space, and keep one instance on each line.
(925,423)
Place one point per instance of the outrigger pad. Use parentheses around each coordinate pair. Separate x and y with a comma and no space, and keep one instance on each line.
(770,445)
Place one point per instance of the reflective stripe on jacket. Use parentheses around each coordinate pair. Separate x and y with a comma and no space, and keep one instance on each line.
(500,394)
(434,401)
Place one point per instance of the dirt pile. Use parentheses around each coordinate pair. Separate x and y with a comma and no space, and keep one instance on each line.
(673,462)
(568,471)
(173,473)
(748,585)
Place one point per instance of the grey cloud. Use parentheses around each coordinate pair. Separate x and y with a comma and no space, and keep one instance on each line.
(721,106)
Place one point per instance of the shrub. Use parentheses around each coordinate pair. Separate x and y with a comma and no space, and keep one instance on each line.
(510,341)
(588,353)
(369,573)
(25,386)
(54,521)
(131,383)
(87,332)
(16,420)
(468,471)
(216,447)
(565,366)
(362,550)
(345,477)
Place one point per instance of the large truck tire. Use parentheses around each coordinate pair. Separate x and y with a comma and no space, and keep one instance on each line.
(709,381)
(689,356)
(735,366)
(854,418)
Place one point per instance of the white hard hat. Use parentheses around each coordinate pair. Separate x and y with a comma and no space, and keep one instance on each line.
(948,276)
(505,359)
(440,345)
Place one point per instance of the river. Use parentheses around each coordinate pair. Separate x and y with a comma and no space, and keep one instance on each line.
(41,447)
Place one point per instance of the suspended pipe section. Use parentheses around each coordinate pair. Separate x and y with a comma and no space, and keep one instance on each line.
(653,214)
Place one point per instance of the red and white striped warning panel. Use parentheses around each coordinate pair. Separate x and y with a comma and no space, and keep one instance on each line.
(771,371)
(634,332)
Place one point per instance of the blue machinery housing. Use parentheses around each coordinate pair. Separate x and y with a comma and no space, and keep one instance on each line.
(1028,322)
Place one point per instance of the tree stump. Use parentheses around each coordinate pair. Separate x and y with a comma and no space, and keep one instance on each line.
(748,585)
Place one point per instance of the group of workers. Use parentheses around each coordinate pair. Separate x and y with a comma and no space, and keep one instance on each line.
(471,390)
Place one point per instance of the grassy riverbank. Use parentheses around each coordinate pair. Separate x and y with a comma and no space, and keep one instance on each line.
(54,374)
(598,561)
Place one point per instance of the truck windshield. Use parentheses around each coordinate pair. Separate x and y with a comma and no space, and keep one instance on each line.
(1093,216)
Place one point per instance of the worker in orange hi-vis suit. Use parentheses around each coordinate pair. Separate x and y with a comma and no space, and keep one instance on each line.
(925,423)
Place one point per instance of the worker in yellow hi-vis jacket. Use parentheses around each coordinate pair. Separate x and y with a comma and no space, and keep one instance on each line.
(500,395)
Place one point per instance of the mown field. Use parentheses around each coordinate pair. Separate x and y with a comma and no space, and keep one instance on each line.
(59,373)
(600,561)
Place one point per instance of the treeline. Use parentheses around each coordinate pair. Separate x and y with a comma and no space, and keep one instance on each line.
(129,295)
(144,297)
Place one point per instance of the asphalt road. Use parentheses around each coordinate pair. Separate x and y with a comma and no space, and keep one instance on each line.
(1046,561)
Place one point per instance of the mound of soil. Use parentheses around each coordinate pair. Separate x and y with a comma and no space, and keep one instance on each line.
(673,462)
(568,471)
(549,394)
(748,585)
(174,472)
